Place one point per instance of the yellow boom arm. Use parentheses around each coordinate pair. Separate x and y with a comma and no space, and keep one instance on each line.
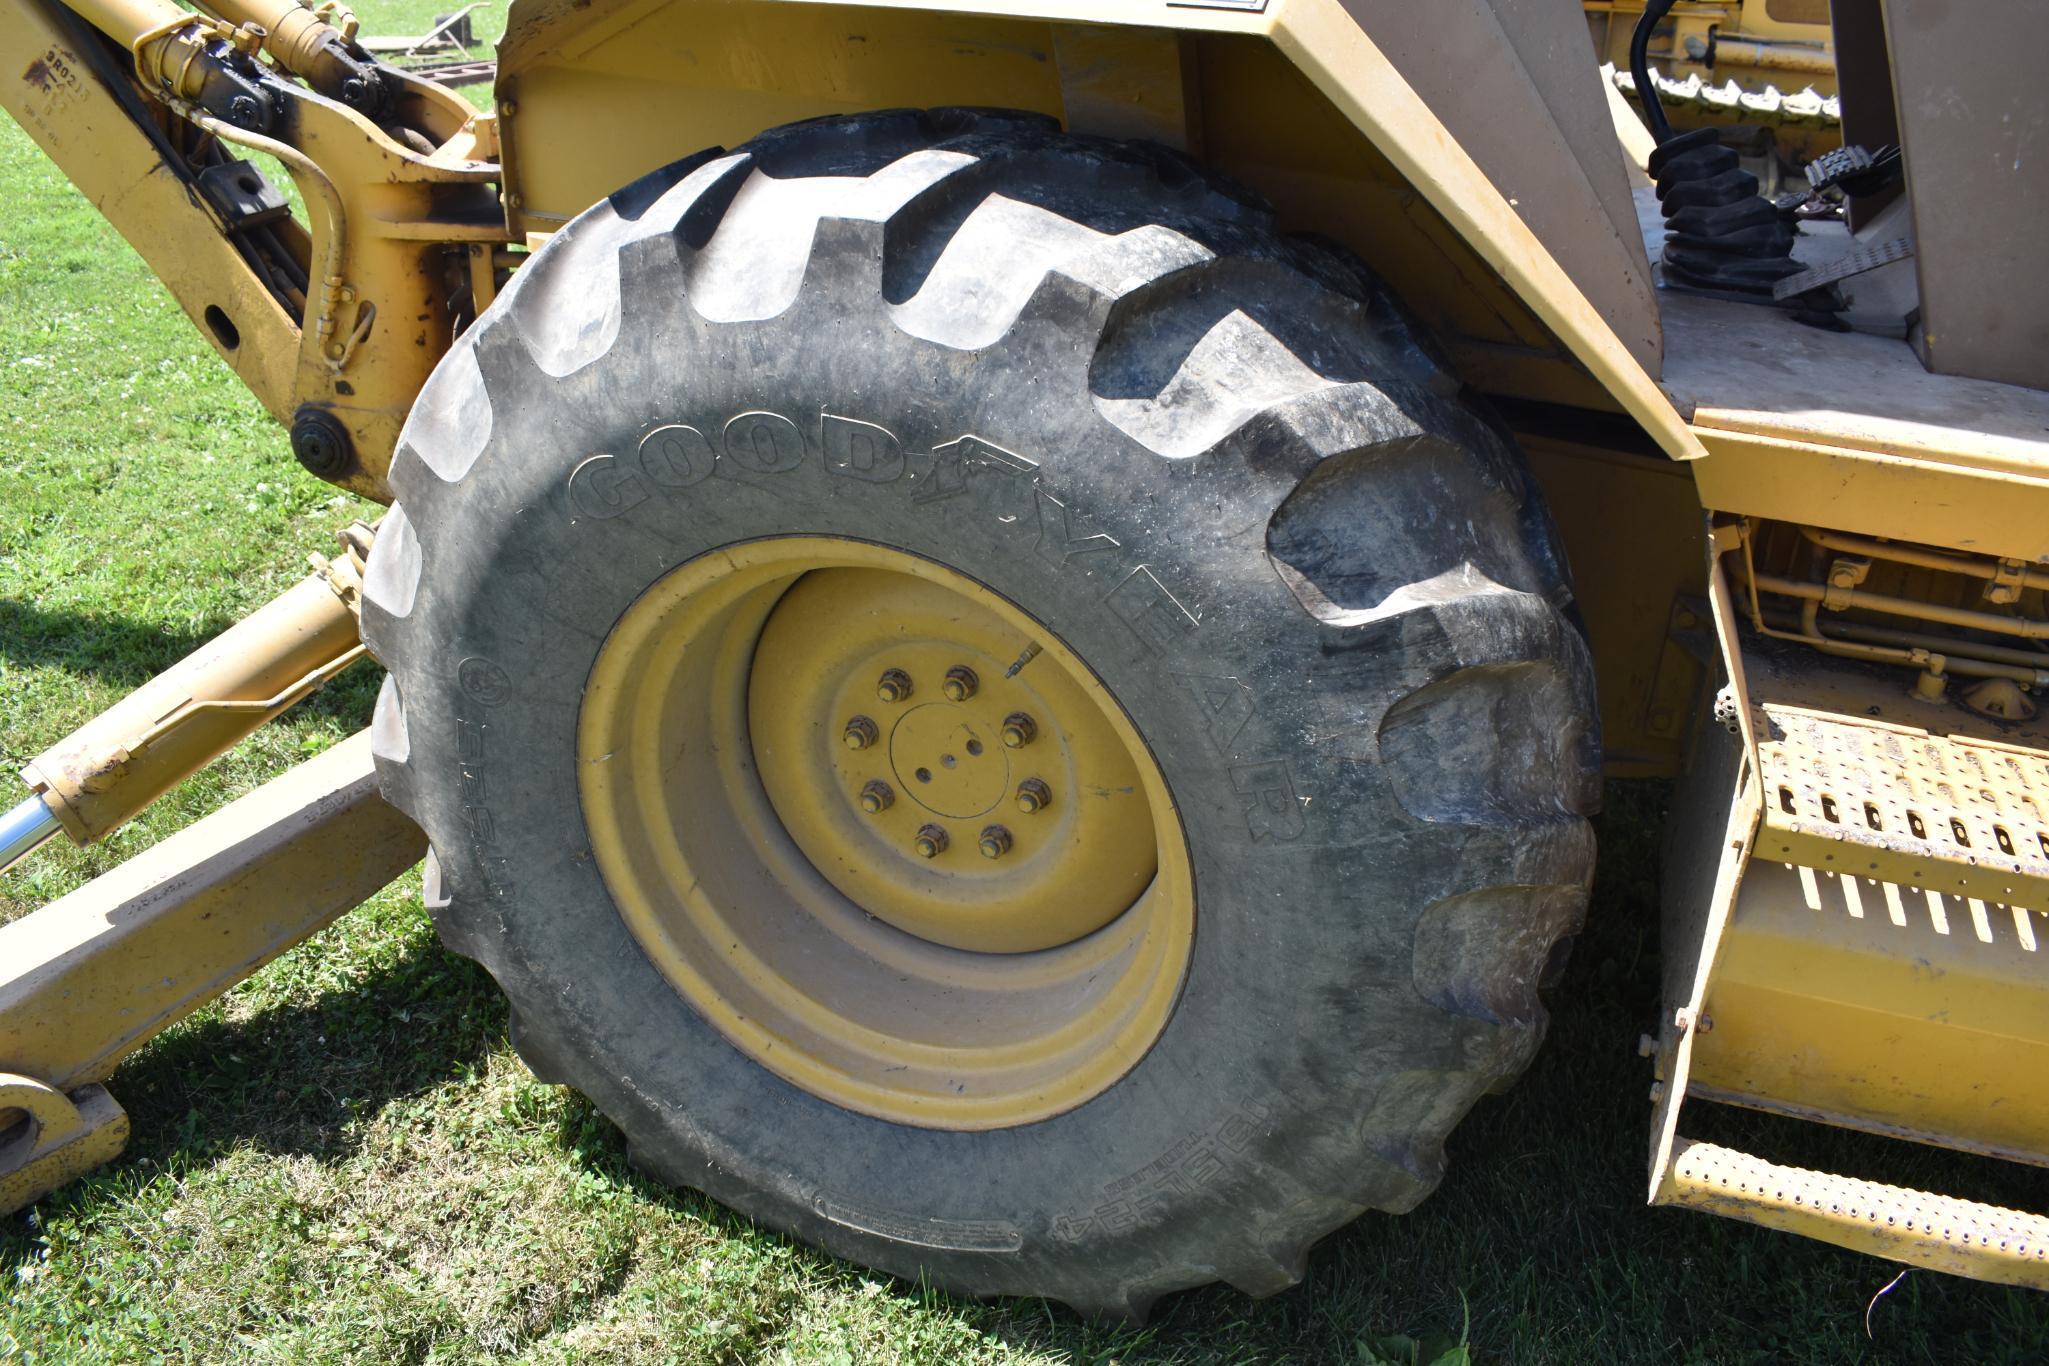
(334,323)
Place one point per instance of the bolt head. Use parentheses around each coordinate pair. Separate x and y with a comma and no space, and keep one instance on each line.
(860,733)
(930,841)
(1033,796)
(960,683)
(995,841)
(1018,730)
(877,797)
(893,686)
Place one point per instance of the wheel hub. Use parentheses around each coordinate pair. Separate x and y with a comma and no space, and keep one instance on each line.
(885,832)
(846,646)
(944,762)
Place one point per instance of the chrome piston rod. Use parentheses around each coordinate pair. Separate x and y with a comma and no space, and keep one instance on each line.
(23,830)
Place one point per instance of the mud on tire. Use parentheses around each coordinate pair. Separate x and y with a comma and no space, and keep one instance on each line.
(1220,466)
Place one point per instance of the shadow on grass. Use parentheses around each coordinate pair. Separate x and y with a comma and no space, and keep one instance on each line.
(116,650)
(123,652)
(294,1078)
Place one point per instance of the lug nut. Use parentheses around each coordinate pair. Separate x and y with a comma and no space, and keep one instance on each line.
(893,686)
(1033,796)
(1018,730)
(877,797)
(859,734)
(995,842)
(960,683)
(931,841)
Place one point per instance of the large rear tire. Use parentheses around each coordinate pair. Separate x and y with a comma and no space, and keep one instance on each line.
(1254,543)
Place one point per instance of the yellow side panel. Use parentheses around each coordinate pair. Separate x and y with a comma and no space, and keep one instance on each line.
(1989,512)
(1632,529)
(655,81)
(1881,1007)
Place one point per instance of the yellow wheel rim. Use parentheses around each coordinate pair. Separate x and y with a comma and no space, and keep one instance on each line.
(883,830)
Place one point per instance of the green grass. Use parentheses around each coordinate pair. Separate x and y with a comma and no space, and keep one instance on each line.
(344,1161)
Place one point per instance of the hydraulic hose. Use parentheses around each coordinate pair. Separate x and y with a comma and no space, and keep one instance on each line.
(1640,68)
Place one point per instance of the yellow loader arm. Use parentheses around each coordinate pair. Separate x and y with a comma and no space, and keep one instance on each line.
(154,112)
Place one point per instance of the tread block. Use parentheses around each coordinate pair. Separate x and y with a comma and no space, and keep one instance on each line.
(449,433)
(393,577)
(1493,743)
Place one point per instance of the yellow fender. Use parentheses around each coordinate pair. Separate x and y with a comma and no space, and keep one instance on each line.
(1457,150)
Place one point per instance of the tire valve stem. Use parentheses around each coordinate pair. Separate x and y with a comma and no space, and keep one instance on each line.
(877,797)
(960,683)
(860,733)
(995,841)
(1033,796)
(893,686)
(931,841)
(1030,653)
(1018,730)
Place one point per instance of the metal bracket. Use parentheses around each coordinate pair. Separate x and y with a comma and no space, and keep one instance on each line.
(1846,574)
(1705,916)
(2009,579)
(241,196)
(57,1138)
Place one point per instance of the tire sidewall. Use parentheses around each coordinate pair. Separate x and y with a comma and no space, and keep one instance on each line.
(1153,572)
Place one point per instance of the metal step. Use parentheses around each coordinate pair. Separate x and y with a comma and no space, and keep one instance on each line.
(1947,813)
(1935,1231)
(1859,941)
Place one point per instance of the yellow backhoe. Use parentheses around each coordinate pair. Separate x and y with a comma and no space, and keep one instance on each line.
(976,595)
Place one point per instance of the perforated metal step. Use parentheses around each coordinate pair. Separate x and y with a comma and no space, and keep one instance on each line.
(1937,1231)
(1944,813)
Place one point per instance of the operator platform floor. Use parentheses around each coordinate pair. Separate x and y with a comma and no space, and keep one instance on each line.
(1752,368)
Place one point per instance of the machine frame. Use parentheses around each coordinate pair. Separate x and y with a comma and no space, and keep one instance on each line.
(1674,437)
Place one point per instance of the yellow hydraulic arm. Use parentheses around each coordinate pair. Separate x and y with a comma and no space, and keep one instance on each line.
(333,322)
(89,978)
